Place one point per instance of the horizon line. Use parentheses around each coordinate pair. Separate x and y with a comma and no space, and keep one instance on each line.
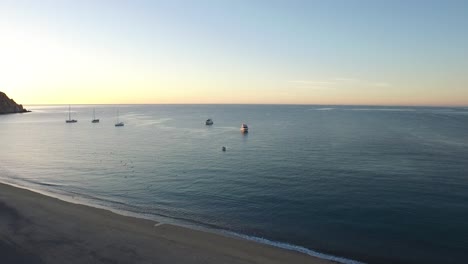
(278,104)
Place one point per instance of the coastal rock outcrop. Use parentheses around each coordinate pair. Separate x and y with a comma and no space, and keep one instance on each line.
(9,106)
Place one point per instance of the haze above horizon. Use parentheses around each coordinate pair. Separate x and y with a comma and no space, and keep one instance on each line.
(235,52)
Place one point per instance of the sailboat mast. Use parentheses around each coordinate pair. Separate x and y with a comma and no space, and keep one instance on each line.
(69,112)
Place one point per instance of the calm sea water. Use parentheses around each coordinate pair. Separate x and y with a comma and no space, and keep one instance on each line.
(373,184)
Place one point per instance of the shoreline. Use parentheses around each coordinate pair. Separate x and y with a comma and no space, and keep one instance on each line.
(162,219)
(45,229)
(10,113)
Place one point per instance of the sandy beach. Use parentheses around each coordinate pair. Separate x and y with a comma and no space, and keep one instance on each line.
(35,228)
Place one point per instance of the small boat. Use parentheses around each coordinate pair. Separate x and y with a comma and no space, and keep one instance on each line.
(69,116)
(209,122)
(119,123)
(244,128)
(94,117)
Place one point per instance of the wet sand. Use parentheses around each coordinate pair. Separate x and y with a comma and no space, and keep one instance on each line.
(35,228)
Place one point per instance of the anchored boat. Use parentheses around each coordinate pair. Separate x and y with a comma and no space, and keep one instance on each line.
(244,128)
(69,116)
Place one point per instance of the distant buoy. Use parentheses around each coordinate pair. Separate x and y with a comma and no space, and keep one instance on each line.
(224,148)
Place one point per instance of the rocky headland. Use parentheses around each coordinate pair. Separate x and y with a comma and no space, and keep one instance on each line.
(9,106)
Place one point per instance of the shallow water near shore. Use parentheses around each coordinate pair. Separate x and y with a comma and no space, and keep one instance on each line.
(374,184)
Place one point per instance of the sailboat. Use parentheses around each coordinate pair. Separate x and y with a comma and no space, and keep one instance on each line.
(119,124)
(69,116)
(94,117)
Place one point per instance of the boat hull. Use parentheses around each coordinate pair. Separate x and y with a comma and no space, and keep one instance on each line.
(244,128)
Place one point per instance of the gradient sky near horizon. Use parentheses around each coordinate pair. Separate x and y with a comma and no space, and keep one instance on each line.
(288,52)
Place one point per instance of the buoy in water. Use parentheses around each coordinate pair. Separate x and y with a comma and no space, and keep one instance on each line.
(224,148)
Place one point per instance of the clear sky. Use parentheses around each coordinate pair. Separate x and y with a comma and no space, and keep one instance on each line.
(232,51)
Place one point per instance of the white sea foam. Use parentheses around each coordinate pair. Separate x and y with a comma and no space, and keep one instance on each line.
(287,246)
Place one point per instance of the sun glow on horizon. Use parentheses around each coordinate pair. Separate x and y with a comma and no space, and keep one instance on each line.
(150,53)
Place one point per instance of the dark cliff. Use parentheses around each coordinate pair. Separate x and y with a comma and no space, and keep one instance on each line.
(9,106)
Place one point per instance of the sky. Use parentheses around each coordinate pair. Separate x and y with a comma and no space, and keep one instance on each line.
(235,51)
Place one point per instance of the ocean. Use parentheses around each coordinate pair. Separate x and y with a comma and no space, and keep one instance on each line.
(350,183)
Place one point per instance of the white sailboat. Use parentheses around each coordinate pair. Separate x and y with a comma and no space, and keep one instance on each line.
(94,117)
(69,116)
(119,123)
